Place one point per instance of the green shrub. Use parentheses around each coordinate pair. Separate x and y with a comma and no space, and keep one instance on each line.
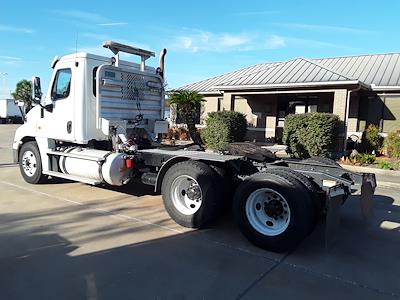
(392,145)
(383,164)
(371,140)
(363,158)
(311,134)
(224,127)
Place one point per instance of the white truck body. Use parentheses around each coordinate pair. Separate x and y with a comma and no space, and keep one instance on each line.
(8,109)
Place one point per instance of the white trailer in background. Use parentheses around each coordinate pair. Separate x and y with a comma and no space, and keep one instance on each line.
(98,125)
(10,112)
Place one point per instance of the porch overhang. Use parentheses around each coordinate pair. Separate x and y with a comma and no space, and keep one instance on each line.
(291,86)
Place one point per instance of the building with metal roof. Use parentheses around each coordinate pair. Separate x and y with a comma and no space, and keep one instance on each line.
(361,90)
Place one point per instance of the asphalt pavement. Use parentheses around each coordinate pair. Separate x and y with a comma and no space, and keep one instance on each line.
(66,240)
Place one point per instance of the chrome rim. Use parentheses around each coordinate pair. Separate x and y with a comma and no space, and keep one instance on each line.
(186,194)
(29,163)
(268,212)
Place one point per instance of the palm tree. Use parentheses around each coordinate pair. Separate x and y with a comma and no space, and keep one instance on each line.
(187,102)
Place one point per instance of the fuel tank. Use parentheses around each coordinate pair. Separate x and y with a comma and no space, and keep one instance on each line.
(95,164)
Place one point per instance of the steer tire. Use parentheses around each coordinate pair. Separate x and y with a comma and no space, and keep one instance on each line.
(298,199)
(322,160)
(200,175)
(30,150)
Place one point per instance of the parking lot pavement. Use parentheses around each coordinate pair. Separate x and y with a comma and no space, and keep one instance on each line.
(6,138)
(72,241)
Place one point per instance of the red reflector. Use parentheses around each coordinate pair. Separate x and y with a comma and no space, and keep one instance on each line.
(128,163)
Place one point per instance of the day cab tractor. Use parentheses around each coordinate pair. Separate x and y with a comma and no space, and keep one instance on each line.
(100,124)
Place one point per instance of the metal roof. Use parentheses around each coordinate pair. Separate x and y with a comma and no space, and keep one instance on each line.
(378,70)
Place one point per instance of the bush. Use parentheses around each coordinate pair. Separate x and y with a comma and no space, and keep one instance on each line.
(311,134)
(363,159)
(392,145)
(383,164)
(371,140)
(224,127)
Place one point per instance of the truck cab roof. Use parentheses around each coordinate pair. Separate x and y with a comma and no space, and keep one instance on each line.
(102,60)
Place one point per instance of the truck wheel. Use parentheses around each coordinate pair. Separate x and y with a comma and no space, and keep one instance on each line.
(30,164)
(311,186)
(191,192)
(322,160)
(273,211)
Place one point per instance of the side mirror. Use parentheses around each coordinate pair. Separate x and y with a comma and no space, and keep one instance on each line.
(36,90)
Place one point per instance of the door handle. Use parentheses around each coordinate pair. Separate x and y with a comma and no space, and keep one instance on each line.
(69,126)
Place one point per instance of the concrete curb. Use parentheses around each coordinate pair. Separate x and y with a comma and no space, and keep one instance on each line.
(385,184)
(370,170)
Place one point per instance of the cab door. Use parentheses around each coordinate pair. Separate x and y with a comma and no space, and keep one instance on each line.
(61,125)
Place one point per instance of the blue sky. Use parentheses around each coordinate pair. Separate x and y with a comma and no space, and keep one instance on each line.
(204,38)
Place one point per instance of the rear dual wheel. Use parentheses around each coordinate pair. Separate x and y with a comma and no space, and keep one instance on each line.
(192,194)
(274,210)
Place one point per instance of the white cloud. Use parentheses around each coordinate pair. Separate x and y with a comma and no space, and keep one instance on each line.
(316,27)
(317,44)
(10,60)
(96,36)
(15,29)
(113,24)
(198,40)
(5,57)
(91,49)
(88,17)
(275,41)
(81,15)
(255,13)
(231,40)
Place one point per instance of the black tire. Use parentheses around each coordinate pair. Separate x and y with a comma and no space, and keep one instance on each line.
(227,184)
(35,176)
(322,160)
(302,211)
(311,186)
(209,183)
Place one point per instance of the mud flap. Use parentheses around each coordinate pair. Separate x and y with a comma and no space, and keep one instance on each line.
(334,201)
(367,192)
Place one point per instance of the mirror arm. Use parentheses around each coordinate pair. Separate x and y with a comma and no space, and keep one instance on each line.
(47,107)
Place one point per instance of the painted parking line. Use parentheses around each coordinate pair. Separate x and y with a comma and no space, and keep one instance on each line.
(99,210)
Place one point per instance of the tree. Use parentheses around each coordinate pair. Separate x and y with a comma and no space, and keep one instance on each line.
(187,102)
(23,92)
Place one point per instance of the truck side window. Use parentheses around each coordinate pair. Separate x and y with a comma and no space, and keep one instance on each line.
(94,80)
(61,85)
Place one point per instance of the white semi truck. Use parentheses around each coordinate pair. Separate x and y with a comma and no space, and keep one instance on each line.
(98,123)
(10,112)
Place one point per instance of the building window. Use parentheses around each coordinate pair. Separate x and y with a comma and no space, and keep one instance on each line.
(391,114)
(312,108)
(219,104)
(299,109)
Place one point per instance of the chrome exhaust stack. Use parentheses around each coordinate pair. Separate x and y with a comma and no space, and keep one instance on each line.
(161,68)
